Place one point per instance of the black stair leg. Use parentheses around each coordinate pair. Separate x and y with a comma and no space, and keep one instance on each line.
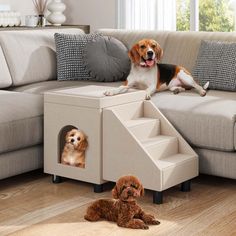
(157,197)
(186,186)
(98,188)
(56,179)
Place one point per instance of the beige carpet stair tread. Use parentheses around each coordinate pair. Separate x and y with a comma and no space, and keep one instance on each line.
(161,146)
(174,160)
(139,121)
(157,140)
(143,128)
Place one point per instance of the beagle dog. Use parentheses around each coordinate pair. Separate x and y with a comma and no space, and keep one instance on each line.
(148,74)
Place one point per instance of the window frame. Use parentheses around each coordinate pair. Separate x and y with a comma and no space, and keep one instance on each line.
(194,15)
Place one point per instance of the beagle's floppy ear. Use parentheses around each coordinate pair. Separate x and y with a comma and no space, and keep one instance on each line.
(115,193)
(84,144)
(159,52)
(134,55)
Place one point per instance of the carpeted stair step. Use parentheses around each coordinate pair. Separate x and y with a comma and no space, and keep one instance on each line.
(143,127)
(161,146)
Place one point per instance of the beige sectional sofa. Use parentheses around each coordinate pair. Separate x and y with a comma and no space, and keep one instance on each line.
(28,69)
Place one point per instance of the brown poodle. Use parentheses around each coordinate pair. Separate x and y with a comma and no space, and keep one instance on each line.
(125,211)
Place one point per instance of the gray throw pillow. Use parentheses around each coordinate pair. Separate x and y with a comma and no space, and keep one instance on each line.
(106,59)
(216,63)
(70,50)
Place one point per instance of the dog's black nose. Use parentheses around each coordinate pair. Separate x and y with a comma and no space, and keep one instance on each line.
(129,192)
(72,140)
(150,54)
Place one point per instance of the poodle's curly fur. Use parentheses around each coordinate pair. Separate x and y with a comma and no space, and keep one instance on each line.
(125,211)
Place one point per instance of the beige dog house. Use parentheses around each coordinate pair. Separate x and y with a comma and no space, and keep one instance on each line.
(126,135)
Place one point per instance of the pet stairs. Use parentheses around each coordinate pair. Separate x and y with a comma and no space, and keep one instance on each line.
(139,140)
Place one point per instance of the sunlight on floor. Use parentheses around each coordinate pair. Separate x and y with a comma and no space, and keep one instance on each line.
(101,228)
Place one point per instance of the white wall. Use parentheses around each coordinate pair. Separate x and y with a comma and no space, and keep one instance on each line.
(96,13)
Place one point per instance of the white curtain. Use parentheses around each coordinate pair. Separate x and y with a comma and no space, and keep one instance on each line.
(147,14)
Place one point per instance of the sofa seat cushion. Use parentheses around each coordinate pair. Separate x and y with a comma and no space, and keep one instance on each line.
(40,88)
(206,122)
(21,120)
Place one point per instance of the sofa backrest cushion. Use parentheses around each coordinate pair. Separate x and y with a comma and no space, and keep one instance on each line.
(5,77)
(30,54)
(130,37)
(180,48)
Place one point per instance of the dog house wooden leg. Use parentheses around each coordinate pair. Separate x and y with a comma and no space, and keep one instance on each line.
(186,186)
(98,188)
(56,179)
(157,197)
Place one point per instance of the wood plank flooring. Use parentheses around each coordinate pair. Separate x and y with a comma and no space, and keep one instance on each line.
(31,205)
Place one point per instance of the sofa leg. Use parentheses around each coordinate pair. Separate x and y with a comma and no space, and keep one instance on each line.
(157,197)
(56,179)
(186,186)
(98,188)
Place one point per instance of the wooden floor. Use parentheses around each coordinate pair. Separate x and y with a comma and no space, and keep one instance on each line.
(31,205)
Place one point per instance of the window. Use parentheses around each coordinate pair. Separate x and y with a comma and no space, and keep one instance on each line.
(182,15)
(147,14)
(205,15)
(215,15)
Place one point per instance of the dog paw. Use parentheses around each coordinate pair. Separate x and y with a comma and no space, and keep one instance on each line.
(175,91)
(203,93)
(144,226)
(148,96)
(150,220)
(206,85)
(155,222)
(108,93)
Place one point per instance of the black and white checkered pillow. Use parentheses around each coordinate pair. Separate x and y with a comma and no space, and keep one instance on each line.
(70,49)
(216,63)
